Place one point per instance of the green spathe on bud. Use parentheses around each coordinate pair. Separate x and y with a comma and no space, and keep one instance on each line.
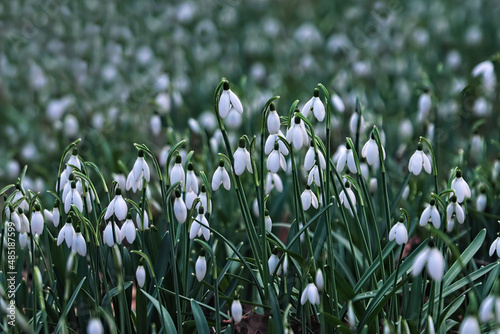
(140,275)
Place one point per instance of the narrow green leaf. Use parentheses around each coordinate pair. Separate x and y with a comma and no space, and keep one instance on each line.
(69,306)
(199,317)
(167,319)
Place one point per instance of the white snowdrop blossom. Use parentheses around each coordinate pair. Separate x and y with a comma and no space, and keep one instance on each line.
(353,124)
(460,186)
(236,311)
(142,221)
(338,103)
(109,237)
(128,230)
(177,172)
(310,159)
(273,263)
(190,198)
(418,160)
(469,325)
(221,176)
(66,234)
(316,106)
(25,224)
(481,200)
(138,174)
(495,247)
(400,233)
(319,280)
(155,124)
(454,210)
(242,159)
(228,101)
(199,226)
(79,245)
(95,326)
(204,200)
(180,210)
(37,221)
(310,294)
(343,197)
(314,176)
(200,267)
(273,180)
(16,220)
(432,259)
(276,160)
(140,275)
(73,161)
(309,198)
(273,120)
(490,309)
(272,139)
(424,106)
(23,239)
(73,198)
(431,214)
(191,179)
(297,134)
(370,151)
(117,206)
(346,157)
(268,223)
(486,71)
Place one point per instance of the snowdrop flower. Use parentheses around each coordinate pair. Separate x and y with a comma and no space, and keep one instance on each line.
(430,326)
(320,282)
(469,326)
(345,200)
(454,210)
(191,179)
(118,207)
(310,294)
(221,176)
(227,101)
(180,210)
(15,219)
(267,221)
(486,71)
(309,198)
(314,176)
(353,124)
(486,313)
(128,229)
(142,221)
(477,147)
(461,188)
(73,161)
(23,240)
(242,159)
(418,160)
(338,103)
(79,245)
(316,106)
(495,247)
(95,326)
(25,224)
(66,234)
(424,106)
(399,233)
(204,200)
(495,170)
(373,185)
(273,262)
(297,134)
(155,124)
(481,200)
(200,267)
(139,172)
(276,160)
(347,157)
(37,221)
(431,214)
(47,214)
(271,140)
(431,258)
(190,198)
(177,172)
(140,275)
(310,159)
(109,237)
(273,180)
(20,198)
(370,151)
(198,227)
(273,120)
(236,311)
(73,198)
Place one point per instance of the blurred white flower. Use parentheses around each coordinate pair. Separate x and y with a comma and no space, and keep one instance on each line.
(71,126)
(495,247)
(433,260)
(155,124)
(310,294)
(273,180)
(319,280)
(490,309)
(95,326)
(338,103)
(353,124)
(424,106)
(236,311)
(469,325)
(481,200)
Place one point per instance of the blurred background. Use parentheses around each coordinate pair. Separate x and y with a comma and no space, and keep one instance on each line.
(118,72)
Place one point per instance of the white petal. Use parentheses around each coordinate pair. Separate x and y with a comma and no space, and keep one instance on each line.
(309,160)
(319,110)
(426,215)
(298,139)
(269,145)
(235,101)
(401,234)
(314,200)
(419,262)
(435,217)
(239,161)
(236,311)
(427,164)
(469,326)
(137,169)
(146,172)
(120,208)
(226,181)
(224,104)
(273,162)
(306,199)
(450,209)
(273,122)
(304,297)
(128,231)
(195,227)
(283,162)
(140,275)
(485,310)
(200,268)
(180,210)
(217,179)
(435,264)
(190,197)
(60,237)
(277,182)
(351,163)
(307,107)
(415,165)
(459,211)
(313,294)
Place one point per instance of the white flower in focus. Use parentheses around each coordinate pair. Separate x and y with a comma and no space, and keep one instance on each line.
(273,180)
(418,160)
(128,230)
(370,151)
(25,224)
(190,198)
(109,237)
(37,221)
(142,221)
(16,220)
(177,172)
(495,247)
(461,188)
(242,159)
(297,134)
(316,106)
(79,245)
(180,210)
(469,326)
(309,198)
(454,210)
(347,157)
(344,199)
(73,161)
(73,198)
(138,174)
(400,233)
(310,294)
(199,226)
(221,176)
(433,260)
(117,206)
(314,176)
(95,326)
(200,267)
(268,222)
(310,159)
(191,179)
(204,200)
(430,326)
(140,275)
(271,140)
(66,234)
(23,240)
(276,160)
(273,120)
(424,106)
(236,311)
(431,214)
(227,101)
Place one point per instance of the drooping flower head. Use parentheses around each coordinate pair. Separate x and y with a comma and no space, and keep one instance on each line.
(431,214)
(399,232)
(346,157)
(273,120)
(460,186)
(221,176)
(228,101)
(138,174)
(200,267)
(242,159)
(370,151)
(297,134)
(432,259)
(316,106)
(177,171)
(418,160)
